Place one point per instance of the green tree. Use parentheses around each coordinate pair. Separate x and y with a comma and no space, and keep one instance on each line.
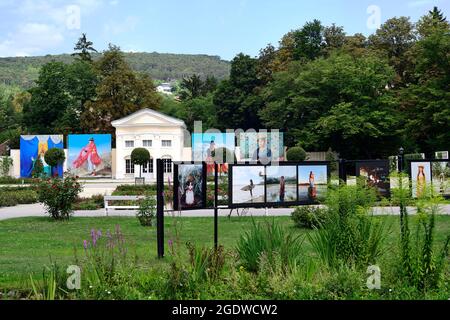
(50,99)
(191,87)
(309,41)
(394,40)
(425,104)
(54,157)
(338,102)
(119,92)
(84,48)
(140,156)
(237,99)
(432,22)
(334,37)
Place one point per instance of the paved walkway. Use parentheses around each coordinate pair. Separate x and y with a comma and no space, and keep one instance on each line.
(37,210)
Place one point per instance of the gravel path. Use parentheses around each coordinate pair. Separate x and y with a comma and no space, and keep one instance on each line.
(37,210)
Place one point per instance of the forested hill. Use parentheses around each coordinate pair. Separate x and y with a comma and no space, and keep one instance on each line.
(22,71)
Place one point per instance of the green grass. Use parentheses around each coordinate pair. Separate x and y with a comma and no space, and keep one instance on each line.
(28,244)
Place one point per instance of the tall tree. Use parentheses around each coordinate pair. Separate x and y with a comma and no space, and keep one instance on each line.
(339,102)
(309,41)
(83,48)
(119,93)
(50,99)
(237,99)
(394,40)
(191,87)
(334,37)
(432,22)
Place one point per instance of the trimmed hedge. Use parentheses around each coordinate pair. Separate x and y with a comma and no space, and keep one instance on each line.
(10,196)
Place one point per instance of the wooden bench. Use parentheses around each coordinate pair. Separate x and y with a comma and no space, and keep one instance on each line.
(121,198)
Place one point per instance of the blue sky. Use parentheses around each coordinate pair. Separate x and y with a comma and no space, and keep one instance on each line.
(224,28)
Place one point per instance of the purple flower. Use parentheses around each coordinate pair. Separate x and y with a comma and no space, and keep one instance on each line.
(170,242)
(99,233)
(85,244)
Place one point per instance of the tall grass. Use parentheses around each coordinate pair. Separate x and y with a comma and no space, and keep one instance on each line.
(272,241)
(422,265)
(350,235)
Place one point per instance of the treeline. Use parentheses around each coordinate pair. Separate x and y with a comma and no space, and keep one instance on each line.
(22,72)
(363,97)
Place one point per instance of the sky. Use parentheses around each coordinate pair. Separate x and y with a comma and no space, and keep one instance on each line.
(215,27)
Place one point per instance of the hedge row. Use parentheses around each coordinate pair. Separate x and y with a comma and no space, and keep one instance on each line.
(13,196)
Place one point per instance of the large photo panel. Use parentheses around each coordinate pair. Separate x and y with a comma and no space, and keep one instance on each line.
(420,178)
(281,184)
(89,155)
(205,145)
(312,182)
(264,146)
(441,177)
(247,185)
(189,186)
(376,175)
(32,151)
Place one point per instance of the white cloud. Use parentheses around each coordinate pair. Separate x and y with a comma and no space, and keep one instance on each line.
(41,25)
(31,39)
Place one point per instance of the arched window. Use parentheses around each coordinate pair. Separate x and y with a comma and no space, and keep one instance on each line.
(148,167)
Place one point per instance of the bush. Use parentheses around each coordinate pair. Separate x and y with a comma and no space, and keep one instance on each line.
(59,195)
(94,203)
(271,241)
(296,154)
(349,236)
(147,211)
(5,166)
(134,190)
(309,217)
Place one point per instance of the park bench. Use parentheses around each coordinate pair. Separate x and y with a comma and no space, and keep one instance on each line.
(121,198)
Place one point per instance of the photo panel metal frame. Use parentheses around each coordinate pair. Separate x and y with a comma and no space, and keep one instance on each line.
(267,204)
(176,185)
(431,161)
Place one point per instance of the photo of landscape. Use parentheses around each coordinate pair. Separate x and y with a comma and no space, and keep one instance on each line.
(281,184)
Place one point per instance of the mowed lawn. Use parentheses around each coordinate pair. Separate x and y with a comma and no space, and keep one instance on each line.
(28,244)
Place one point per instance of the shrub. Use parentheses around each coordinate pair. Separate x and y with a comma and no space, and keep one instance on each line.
(147,211)
(58,196)
(349,236)
(296,154)
(270,240)
(309,217)
(54,157)
(140,156)
(93,203)
(5,165)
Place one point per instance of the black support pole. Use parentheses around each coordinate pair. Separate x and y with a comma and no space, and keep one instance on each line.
(342,172)
(400,160)
(216,210)
(160,207)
